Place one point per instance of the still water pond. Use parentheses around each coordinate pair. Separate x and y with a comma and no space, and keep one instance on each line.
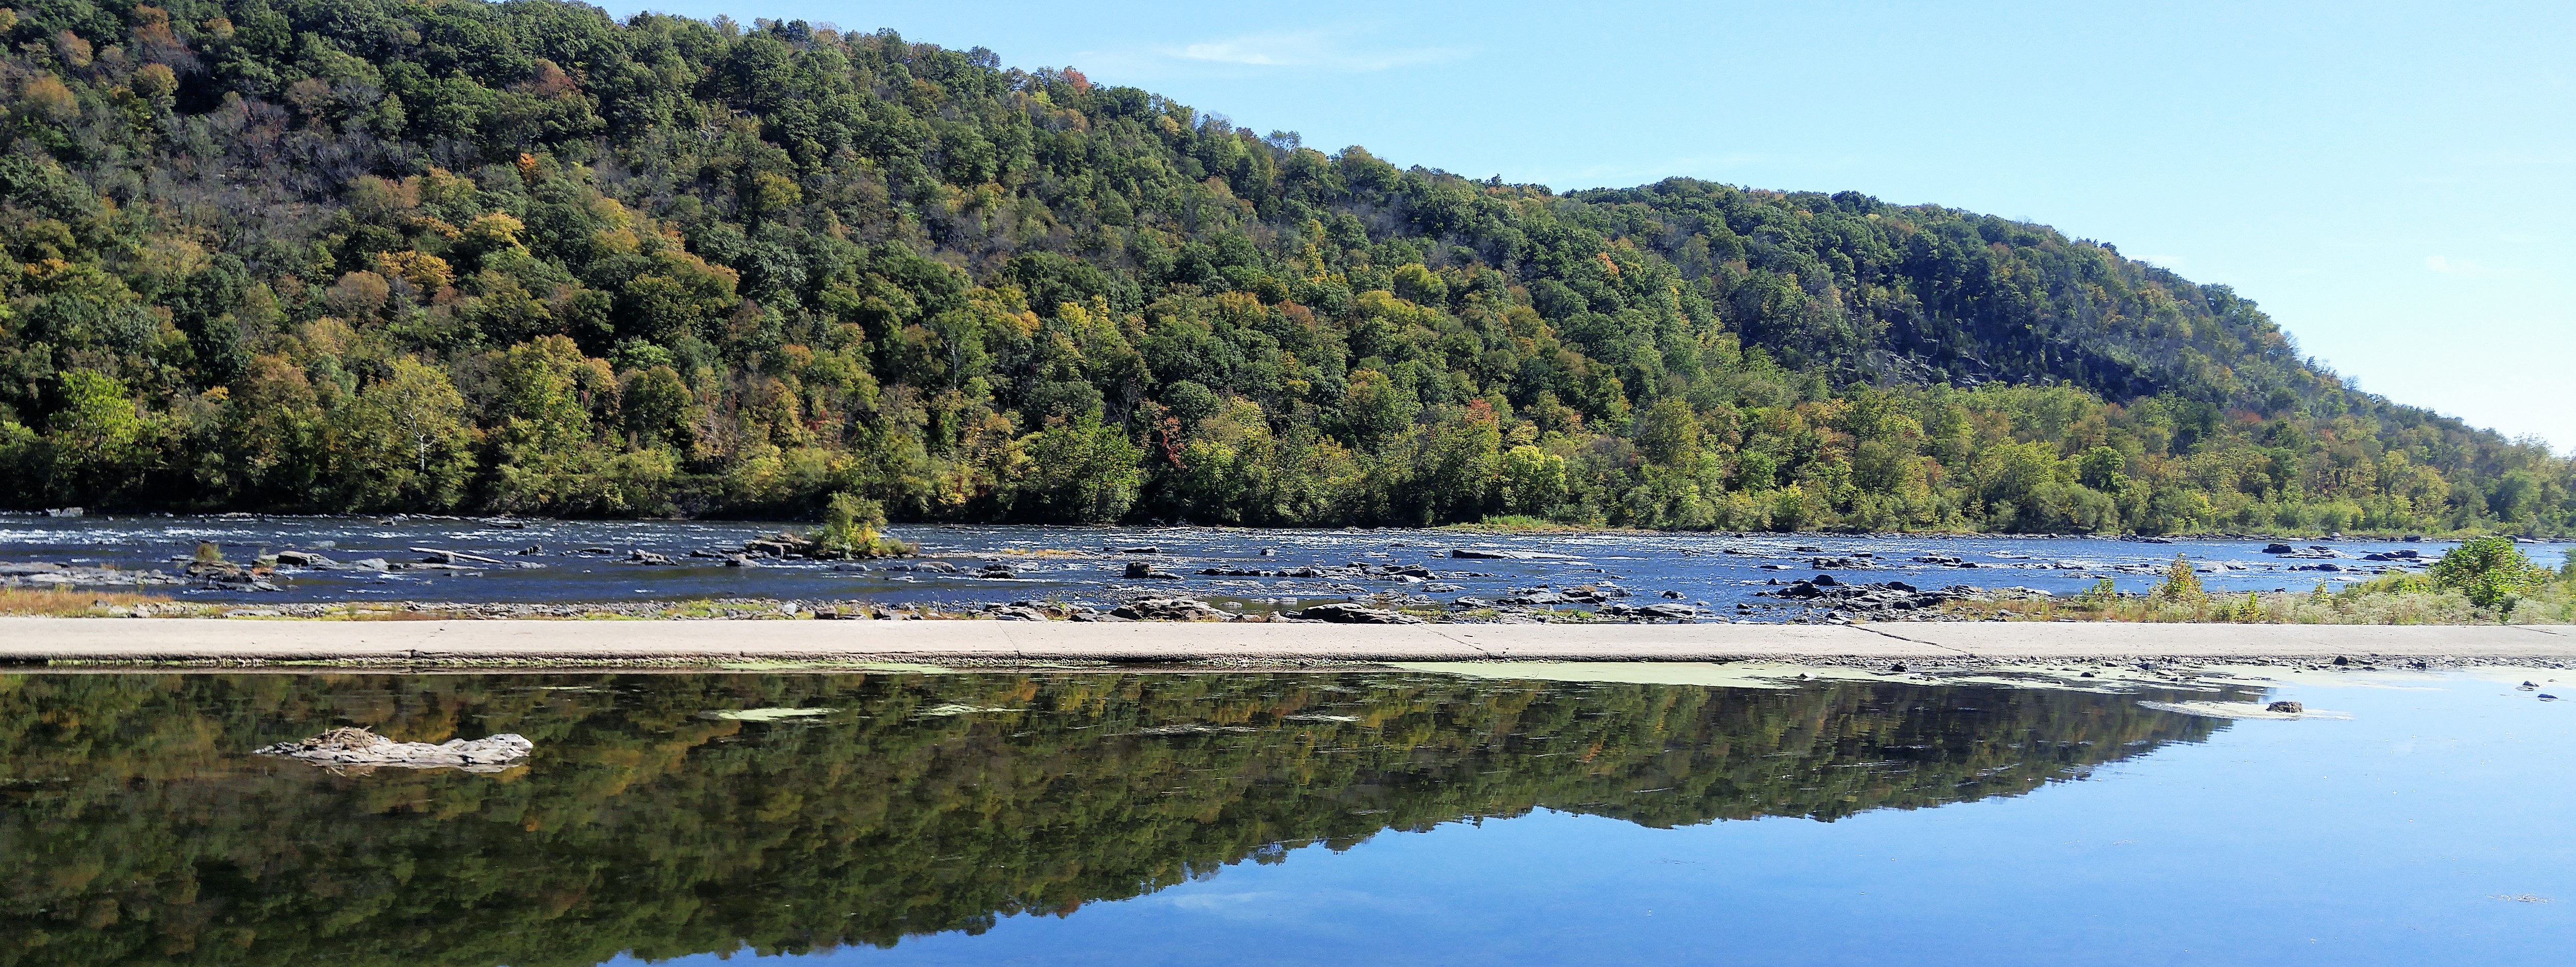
(1297,818)
(588,561)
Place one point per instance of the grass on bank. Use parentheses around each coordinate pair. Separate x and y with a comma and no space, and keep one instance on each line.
(72,602)
(2483,581)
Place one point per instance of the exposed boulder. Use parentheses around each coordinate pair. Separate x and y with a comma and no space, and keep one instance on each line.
(229,576)
(435,555)
(1170,609)
(1880,598)
(1651,612)
(44,574)
(935,567)
(853,541)
(1352,614)
(1142,571)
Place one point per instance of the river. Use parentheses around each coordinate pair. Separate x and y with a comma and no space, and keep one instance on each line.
(590,561)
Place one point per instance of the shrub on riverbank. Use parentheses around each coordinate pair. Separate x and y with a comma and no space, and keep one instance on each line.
(2485,581)
(850,531)
(2490,571)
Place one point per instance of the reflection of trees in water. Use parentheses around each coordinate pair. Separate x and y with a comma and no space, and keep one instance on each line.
(135,831)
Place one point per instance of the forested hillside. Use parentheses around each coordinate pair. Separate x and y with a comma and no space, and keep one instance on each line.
(373,255)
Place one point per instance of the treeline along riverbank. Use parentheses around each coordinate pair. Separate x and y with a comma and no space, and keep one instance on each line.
(527,258)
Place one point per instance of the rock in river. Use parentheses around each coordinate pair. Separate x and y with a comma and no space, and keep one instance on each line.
(1651,612)
(1352,614)
(359,747)
(1170,609)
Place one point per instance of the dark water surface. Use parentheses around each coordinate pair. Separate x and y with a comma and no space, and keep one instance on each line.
(1307,818)
(585,561)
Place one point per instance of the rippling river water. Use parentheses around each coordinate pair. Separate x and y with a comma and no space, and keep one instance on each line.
(587,561)
(1362,816)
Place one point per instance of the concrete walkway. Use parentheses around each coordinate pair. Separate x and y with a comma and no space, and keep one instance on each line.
(39,641)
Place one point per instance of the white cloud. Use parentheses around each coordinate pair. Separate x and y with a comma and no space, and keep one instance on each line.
(1330,50)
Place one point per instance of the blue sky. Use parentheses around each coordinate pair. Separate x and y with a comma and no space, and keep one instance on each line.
(2396,185)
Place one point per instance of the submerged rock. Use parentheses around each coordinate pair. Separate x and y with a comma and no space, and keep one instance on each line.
(359,747)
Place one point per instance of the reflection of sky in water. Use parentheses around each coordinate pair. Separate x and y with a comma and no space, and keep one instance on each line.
(2396,837)
(1698,566)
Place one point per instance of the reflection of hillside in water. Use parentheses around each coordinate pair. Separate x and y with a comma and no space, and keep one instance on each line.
(133,831)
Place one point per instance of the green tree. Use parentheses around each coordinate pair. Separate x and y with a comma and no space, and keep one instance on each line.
(2489,570)
(1669,433)
(1533,480)
(405,441)
(97,439)
(1080,473)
